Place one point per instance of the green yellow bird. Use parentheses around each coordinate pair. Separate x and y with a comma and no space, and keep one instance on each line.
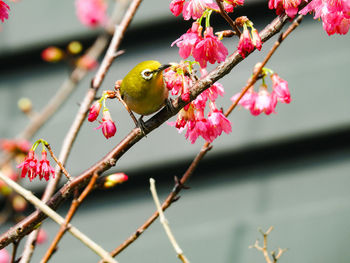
(143,89)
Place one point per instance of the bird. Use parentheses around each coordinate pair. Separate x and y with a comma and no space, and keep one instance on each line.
(143,89)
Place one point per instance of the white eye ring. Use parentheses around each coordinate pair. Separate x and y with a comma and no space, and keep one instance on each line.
(147,74)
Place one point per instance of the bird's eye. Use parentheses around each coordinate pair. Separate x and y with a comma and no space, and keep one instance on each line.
(147,74)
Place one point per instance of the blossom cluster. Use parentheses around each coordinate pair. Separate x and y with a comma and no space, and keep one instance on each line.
(205,47)
(264,101)
(335,14)
(33,167)
(192,117)
(107,124)
(4,11)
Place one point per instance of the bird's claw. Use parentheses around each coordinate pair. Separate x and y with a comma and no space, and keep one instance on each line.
(169,105)
(141,124)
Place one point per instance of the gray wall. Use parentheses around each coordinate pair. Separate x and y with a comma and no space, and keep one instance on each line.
(305,198)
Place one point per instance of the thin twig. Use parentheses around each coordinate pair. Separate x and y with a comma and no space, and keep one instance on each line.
(165,223)
(73,208)
(134,136)
(264,249)
(57,218)
(14,251)
(58,162)
(224,14)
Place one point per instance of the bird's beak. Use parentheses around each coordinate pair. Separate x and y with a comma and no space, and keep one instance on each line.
(162,67)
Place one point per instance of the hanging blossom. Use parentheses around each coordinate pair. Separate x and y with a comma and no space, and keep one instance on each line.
(248,41)
(335,14)
(195,8)
(192,117)
(290,7)
(264,101)
(107,124)
(209,49)
(32,167)
(91,13)
(204,49)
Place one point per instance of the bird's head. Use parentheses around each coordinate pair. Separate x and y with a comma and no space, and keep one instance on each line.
(148,70)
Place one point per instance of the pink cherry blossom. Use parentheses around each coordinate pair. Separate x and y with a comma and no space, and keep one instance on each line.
(248,99)
(219,121)
(199,127)
(4,11)
(245,44)
(280,88)
(29,165)
(187,41)
(264,102)
(209,49)
(94,111)
(290,7)
(195,8)
(91,13)
(107,125)
(176,82)
(176,7)
(44,169)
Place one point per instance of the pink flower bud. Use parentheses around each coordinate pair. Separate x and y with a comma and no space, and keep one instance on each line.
(256,39)
(19,204)
(245,44)
(94,111)
(114,179)
(52,54)
(86,62)
(42,236)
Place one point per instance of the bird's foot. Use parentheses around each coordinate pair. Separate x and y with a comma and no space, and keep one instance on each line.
(141,124)
(169,105)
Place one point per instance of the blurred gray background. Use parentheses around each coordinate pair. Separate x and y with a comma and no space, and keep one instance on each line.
(289,170)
